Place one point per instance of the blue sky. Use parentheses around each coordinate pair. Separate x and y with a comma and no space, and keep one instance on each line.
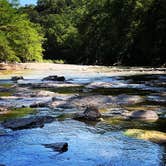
(23,2)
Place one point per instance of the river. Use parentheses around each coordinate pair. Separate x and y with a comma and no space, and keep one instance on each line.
(115,91)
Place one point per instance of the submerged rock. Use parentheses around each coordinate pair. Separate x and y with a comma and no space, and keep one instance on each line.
(16,78)
(154,136)
(90,113)
(54,78)
(59,147)
(2,132)
(26,123)
(145,115)
(39,105)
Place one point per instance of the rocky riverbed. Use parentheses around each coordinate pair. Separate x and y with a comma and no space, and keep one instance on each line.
(105,115)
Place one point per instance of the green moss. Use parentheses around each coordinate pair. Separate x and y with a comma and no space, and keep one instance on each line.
(151,135)
(5,94)
(16,113)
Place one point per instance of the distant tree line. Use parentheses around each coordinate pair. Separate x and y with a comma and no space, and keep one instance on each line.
(103,32)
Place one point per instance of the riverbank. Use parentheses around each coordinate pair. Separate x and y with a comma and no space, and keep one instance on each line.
(81,68)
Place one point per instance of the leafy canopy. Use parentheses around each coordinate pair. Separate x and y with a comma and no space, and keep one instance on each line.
(20,39)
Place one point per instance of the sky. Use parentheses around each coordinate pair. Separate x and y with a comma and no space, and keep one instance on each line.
(23,2)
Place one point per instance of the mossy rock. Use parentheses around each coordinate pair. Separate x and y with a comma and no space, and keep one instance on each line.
(151,135)
(17,113)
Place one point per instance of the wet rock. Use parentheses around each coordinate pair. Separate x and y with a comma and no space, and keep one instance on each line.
(54,78)
(26,123)
(145,115)
(90,113)
(58,147)
(16,78)
(99,101)
(61,78)
(39,105)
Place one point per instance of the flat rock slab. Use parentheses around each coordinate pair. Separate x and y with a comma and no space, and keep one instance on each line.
(26,123)
(58,147)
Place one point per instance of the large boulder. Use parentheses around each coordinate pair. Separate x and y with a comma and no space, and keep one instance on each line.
(145,115)
(59,147)
(90,113)
(26,123)
(54,78)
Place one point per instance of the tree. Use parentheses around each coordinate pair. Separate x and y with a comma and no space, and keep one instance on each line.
(104,32)
(22,39)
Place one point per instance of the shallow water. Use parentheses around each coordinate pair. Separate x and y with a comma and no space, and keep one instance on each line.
(92,144)
(85,147)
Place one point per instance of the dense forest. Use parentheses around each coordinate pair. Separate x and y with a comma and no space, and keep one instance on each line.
(103,32)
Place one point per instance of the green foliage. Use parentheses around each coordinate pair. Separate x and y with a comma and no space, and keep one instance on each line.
(20,39)
(104,32)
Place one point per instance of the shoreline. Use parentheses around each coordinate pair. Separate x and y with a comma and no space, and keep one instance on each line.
(6,66)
